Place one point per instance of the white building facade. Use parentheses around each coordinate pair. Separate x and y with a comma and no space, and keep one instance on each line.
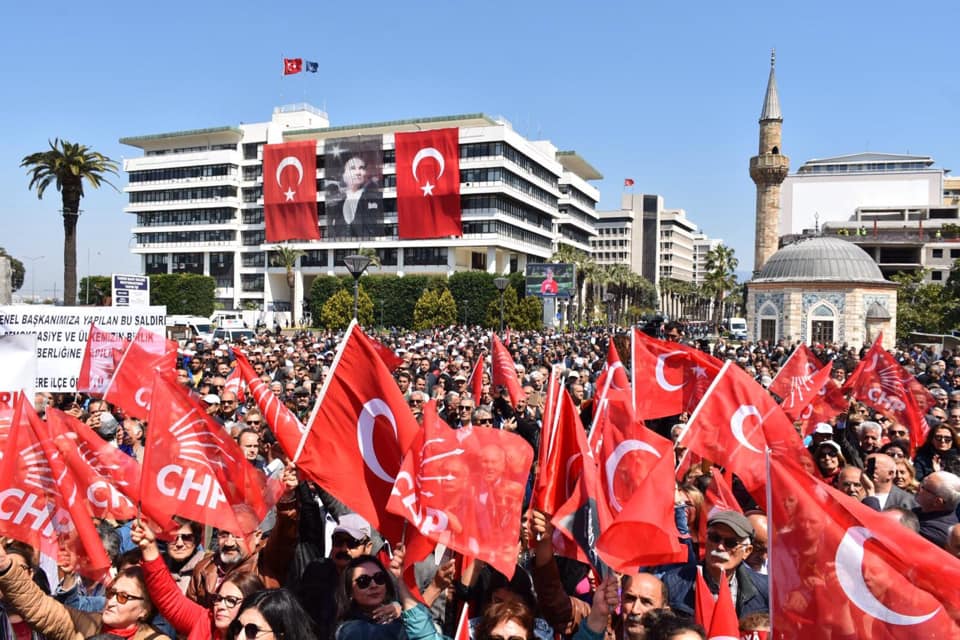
(198,200)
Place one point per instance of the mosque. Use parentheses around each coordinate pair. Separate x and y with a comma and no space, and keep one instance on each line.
(818,289)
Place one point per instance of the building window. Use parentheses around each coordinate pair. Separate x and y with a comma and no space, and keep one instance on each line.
(425,256)
(252,259)
(936,276)
(188,263)
(156,263)
(478,261)
(954,253)
(937,253)
(822,321)
(768,329)
(251,282)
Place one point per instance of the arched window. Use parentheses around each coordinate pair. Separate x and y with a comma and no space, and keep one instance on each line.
(775,151)
(769,322)
(822,321)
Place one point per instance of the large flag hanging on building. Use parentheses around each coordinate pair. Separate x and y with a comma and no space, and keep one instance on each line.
(362,416)
(290,191)
(881,383)
(839,569)
(464,488)
(428,184)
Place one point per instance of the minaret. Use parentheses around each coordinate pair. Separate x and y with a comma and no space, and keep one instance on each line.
(768,170)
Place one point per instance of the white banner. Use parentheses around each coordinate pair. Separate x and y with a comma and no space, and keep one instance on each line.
(61,335)
(19,366)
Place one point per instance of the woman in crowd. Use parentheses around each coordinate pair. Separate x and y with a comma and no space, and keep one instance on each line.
(829,461)
(941,442)
(127,609)
(506,619)
(184,552)
(187,617)
(663,624)
(12,625)
(271,614)
(905,477)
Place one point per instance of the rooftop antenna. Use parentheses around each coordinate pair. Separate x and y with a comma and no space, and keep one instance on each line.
(773,57)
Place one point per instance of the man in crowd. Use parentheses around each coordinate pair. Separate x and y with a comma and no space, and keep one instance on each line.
(938,498)
(882,469)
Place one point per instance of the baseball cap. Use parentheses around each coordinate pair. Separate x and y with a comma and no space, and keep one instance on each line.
(108,426)
(736,521)
(211,398)
(354,525)
(823,428)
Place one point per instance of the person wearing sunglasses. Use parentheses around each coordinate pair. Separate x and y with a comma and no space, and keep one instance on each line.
(190,619)
(729,541)
(126,612)
(271,614)
(184,552)
(938,446)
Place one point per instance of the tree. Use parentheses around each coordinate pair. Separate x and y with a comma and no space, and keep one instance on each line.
(183,293)
(286,257)
(720,277)
(472,292)
(518,314)
(923,306)
(17,271)
(100,288)
(337,311)
(435,308)
(585,269)
(68,166)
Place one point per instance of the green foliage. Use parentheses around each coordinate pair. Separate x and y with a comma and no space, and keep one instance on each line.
(17,271)
(100,290)
(519,314)
(924,307)
(435,308)
(337,311)
(323,288)
(183,293)
(472,291)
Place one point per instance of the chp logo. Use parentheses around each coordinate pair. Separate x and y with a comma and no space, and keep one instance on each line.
(203,451)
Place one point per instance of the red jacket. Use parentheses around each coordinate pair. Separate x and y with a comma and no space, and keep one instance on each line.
(187,617)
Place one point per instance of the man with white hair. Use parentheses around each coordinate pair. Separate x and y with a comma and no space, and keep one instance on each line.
(938,498)
(882,469)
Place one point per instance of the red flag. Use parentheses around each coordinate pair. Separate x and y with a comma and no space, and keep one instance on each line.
(735,420)
(628,182)
(132,382)
(475,383)
(193,468)
(290,191)
(880,382)
(464,488)
(681,375)
(388,355)
(40,501)
(799,380)
(841,569)
(718,497)
(98,364)
(724,623)
(828,402)
(463,626)
(505,371)
(292,65)
(703,603)
(284,424)
(428,184)
(234,383)
(362,416)
(636,486)
(613,397)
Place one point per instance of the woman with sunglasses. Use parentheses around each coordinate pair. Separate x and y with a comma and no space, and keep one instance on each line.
(125,614)
(940,444)
(190,619)
(367,603)
(271,614)
(184,552)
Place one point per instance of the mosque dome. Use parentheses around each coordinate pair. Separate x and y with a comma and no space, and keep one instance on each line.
(820,259)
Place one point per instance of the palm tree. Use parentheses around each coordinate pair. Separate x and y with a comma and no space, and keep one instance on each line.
(287,257)
(585,268)
(720,277)
(372,255)
(68,165)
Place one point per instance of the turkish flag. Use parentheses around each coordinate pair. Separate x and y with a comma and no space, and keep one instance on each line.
(292,65)
(724,623)
(703,602)
(234,384)
(840,569)
(362,416)
(614,397)
(193,468)
(505,371)
(290,191)
(628,182)
(98,363)
(388,355)
(829,402)
(636,493)
(130,387)
(41,502)
(681,375)
(464,488)
(881,383)
(733,423)
(718,497)
(799,380)
(284,424)
(428,184)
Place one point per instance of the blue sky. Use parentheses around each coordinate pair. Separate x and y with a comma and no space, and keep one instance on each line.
(665,93)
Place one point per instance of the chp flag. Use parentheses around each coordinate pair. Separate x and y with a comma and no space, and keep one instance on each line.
(428,184)
(290,191)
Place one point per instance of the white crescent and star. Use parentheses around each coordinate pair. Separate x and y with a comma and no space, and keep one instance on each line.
(366,422)
(661,379)
(422,154)
(736,424)
(613,461)
(290,161)
(849,563)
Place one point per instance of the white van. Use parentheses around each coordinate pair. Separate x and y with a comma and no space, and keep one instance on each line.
(737,328)
(186,328)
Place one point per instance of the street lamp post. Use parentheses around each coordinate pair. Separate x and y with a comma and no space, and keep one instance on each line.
(501,285)
(356,265)
(609,298)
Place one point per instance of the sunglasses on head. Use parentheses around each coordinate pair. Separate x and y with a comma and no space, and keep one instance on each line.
(728,543)
(364,581)
(249,630)
(122,596)
(229,601)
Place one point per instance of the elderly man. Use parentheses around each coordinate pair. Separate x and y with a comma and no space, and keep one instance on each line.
(728,543)
(850,481)
(882,469)
(639,593)
(757,560)
(938,498)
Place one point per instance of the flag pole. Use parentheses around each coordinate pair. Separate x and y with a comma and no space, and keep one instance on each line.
(772,530)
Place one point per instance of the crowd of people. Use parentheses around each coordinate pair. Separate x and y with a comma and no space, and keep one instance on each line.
(313,570)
